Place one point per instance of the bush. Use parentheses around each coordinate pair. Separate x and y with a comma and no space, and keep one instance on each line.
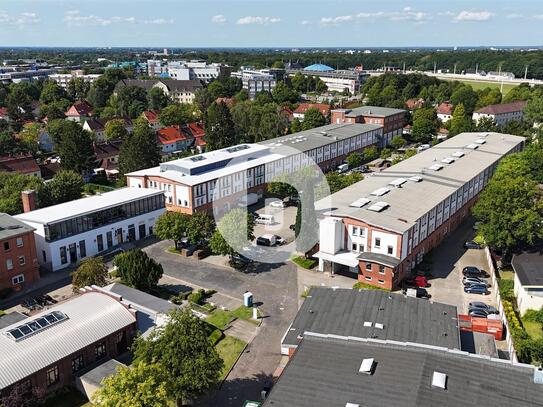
(506,289)
(304,262)
(197,297)
(363,286)
(534,315)
(179,298)
(216,336)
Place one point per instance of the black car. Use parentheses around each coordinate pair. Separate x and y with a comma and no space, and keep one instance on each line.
(485,307)
(472,245)
(477,312)
(476,289)
(423,293)
(472,271)
(239,261)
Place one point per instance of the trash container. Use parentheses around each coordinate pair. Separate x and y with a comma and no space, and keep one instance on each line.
(248,299)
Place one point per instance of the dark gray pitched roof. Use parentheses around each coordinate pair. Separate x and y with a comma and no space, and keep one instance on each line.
(529,268)
(11,227)
(152,303)
(325,372)
(344,311)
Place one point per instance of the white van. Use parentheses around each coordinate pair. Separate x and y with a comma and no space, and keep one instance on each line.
(342,168)
(265,219)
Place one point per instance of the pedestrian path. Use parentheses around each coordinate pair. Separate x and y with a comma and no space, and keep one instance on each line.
(241,329)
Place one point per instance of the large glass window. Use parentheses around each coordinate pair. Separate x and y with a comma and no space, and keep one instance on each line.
(52,376)
(99,350)
(63,258)
(82,249)
(77,363)
(100,242)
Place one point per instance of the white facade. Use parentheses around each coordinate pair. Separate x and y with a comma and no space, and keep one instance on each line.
(501,119)
(105,222)
(255,81)
(528,297)
(64,79)
(444,117)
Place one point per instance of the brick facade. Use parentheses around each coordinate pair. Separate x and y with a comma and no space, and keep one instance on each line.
(18,257)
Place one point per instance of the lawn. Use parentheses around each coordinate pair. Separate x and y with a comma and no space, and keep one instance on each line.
(245,313)
(476,85)
(506,275)
(229,348)
(220,318)
(533,329)
(304,263)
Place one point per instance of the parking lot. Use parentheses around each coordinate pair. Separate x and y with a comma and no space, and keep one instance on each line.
(449,259)
(283,218)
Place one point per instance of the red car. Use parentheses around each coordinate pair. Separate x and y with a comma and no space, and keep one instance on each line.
(419,281)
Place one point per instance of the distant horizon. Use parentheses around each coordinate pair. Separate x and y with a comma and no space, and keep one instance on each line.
(269,24)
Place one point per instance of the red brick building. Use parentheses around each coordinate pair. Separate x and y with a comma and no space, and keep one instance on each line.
(391,120)
(48,350)
(18,261)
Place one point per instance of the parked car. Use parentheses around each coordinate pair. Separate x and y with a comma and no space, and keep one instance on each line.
(423,293)
(266,240)
(239,261)
(473,271)
(475,280)
(423,147)
(477,312)
(476,289)
(472,245)
(481,305)
(265,219)
(418,281)
(277,204)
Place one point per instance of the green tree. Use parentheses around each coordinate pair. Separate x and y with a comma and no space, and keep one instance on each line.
(172,226)
(263,98)
(132,100)
(241,96)
(115,130)
(184,353)
(91,271)
(203,99)
(65,186)
(460,122)
(295,126)
(466,96)
(272,124)
(425,124)
(282,93)
(157,99)
(486,124)
(216,90)
(354,160)
(533,112)
(18,104)
(77,88)
(231,226)
(509,208)
(219,127)
(52,92)
(11,185)
(370,153)
(313,118)
(174,115)
(73,145)
(138,270)
(136,386)
(139,149)
(281,188)
(308,234)
(397,142)
(54,110)
(200,228)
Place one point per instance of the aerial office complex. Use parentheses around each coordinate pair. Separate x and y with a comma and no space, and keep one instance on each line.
(224,176)
(380,228)
(71,231)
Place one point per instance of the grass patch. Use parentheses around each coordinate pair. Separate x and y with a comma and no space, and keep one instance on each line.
(477,85)
(245,313)
(507,275)
(304,262)
(363,286)
(220,319)
(229,349)
(532,328)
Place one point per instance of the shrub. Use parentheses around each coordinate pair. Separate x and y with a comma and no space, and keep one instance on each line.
(534,315)
(179,298)
(197,297)
(363,286)
(216,336)
(506,289)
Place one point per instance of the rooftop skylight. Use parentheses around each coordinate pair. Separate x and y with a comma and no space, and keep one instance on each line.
(436,167)
(378,206)
(380,191)
(30,328)
(359,203)
(397,182)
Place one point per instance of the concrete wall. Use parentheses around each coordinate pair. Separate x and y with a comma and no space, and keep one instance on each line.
(525,299)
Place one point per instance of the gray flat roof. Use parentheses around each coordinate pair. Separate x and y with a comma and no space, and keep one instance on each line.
(344,312)
(148,301)
(320,136)
(324,372)
(11,227)
(529,268)
(414,199)
(11,318)
(100,372)
(89,204)
(373,111)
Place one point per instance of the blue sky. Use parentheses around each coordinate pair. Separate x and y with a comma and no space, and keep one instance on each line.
(277,23)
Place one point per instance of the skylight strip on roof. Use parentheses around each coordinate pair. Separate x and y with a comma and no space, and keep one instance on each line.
(380,192)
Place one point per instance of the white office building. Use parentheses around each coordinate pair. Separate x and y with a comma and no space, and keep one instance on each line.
(69,232)
(255,81)
(63,79)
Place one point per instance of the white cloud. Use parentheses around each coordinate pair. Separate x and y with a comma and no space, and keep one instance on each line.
(218,19)
(514,16)
(20,20)
(257,20)
(466,15)
(407,14)
(74,19)
(537,17)
(305,22)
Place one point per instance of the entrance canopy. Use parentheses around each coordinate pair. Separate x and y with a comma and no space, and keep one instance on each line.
(343,257)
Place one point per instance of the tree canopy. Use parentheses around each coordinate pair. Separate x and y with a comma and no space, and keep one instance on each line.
(219,127)
(172,226)
(91,271)
(139,149)
(425,124)
(234,230)
(138,270)
(65,186)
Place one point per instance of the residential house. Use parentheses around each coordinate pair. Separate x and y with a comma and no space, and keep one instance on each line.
(180,91)
(48,350)
(286,113)
(413,104)
(503,113)
(391,120)
(152,118)
(171,140)
(69,232)
(445,111)
(18,260)
(107,157)
(98,127)
(79,111)
(24,164)
(528,281)
(299,112)
(379,229)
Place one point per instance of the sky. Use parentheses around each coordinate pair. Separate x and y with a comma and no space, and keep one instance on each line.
(264,23)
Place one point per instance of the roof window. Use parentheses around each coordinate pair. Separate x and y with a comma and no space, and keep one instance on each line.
(415,178)
(378,206)
(381,191)
(359,203)
(472,146)
(458,154)
(367,366)
(397,182)
(436,167)
(480,141)
(448,160)
(439,380)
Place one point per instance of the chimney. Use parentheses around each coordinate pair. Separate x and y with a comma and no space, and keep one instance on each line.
(29,200)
